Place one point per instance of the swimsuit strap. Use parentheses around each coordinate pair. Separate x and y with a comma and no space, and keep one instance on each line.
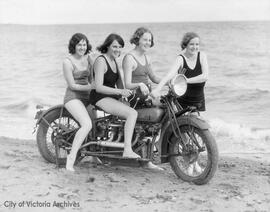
(74,66)
(138,62)
(108,64)
(146,61)
(185,62)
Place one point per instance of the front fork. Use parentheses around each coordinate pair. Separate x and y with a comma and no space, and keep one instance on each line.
(175,110)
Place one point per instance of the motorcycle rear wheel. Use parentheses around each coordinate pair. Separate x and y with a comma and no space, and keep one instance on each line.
(57,129)
(200,165)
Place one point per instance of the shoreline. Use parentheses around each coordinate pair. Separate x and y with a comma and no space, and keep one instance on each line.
(241,183)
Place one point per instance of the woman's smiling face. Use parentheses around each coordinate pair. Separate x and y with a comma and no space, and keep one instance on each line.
(114,49)
(193,46)
(81,48)
(145,41)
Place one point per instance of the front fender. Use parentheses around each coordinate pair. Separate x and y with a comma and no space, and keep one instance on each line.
(193,120)
(167,131)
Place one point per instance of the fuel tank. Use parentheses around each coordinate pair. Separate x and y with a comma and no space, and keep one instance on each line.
(153,114)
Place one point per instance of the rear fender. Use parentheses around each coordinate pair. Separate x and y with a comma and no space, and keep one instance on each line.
(61,108)
(41,113)
(167,131)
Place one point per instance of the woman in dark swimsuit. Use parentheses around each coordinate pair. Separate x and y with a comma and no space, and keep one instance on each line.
(106,94)
(193,64)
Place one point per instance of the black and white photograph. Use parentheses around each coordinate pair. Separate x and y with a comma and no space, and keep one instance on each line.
(124,105)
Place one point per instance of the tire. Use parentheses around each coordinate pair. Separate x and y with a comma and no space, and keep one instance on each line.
(203,165)
(46,137)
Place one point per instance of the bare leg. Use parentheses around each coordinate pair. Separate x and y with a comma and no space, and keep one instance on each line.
(79,112)
(114,107)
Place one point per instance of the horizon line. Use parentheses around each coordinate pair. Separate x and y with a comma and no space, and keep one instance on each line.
(150,22)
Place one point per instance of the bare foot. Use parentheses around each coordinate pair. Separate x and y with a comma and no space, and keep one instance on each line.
(190,169)
(130,154)
(194,167)
(69,164)
(198,168)
(150,165)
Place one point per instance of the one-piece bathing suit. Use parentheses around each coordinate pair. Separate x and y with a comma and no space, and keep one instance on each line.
(194,95)
(81,77)
(110,79)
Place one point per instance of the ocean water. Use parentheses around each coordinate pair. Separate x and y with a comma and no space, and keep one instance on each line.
(237,92)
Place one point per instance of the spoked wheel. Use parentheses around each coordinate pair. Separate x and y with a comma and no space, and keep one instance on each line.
(55,135)
(199,161)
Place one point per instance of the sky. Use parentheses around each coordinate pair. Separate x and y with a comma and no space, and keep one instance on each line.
(130,11)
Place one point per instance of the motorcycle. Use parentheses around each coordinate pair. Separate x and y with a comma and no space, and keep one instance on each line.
(164,132)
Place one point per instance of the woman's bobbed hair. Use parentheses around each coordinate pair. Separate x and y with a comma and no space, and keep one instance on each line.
(187,37)
(138,34)
(103,48)
(75,39)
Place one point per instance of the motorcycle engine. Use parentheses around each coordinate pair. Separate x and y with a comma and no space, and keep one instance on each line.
(101,129)
(153,114)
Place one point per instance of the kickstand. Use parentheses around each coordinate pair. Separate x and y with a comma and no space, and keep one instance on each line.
(57,154)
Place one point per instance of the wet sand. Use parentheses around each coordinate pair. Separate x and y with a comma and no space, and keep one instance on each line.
(29,183)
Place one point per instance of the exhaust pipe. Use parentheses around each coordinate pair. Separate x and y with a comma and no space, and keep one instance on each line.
(110,144)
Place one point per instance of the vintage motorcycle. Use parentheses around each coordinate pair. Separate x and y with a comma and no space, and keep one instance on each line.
(165,133)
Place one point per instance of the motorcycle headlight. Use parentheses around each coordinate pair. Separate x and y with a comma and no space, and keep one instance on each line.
(179,84)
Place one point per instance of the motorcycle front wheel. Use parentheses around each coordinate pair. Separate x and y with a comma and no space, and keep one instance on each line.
(55,135)
(198,162)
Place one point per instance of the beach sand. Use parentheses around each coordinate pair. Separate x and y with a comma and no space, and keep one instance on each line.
(29,183)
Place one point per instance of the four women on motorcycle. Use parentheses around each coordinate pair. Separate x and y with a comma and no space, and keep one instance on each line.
(109,85)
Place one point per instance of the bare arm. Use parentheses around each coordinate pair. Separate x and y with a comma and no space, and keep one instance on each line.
(91,60)
(67,71)
(120,83)
(172,72)
(204,76)
(100,69)
(154,78)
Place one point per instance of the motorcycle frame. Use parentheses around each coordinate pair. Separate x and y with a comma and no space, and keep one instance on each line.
(169,124)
